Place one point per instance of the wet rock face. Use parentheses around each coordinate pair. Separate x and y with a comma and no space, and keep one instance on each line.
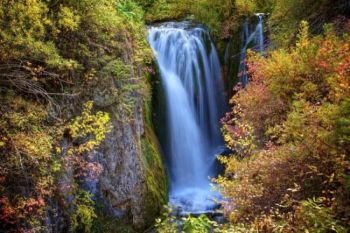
(127,187)
(124,185)
(122,182)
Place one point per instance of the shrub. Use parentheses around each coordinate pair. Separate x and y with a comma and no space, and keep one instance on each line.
(84,213)
(296,179)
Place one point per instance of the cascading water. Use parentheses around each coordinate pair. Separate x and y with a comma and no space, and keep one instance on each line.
(192,83)
(250,38)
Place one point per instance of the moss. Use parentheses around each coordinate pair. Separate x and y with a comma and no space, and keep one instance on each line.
(106,223)
(148,101)
(157,183)
(118,69)
(155,170)
(164,10)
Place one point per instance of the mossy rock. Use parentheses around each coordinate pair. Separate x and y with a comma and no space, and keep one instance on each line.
(156,178)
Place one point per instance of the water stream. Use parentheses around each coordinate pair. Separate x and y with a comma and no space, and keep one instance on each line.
(251,38)
(192,83)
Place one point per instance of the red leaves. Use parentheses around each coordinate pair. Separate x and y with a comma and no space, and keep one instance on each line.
(2,179)
(13,215)
(226,27)
(149,70)
(89,171)
(343,67)
(334,56)
(30,206)
(85,167)
(293,102)
(7,212)
(324,65)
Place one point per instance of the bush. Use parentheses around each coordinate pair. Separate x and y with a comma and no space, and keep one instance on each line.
(296,179)
(84,213)
(171,224)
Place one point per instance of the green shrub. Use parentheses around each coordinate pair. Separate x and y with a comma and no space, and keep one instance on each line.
(84,213)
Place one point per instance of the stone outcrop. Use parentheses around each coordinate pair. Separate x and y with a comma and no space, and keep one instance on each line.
(133,182)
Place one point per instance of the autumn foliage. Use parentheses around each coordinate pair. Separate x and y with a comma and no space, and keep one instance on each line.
(33,164)
(296,108)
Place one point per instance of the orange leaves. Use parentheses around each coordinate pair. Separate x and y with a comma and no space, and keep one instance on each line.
(333,59)
(327,56)
(23,210)
(298,104)
(26,156)
(85,168)
(343,67)
(30,206)
(7,213)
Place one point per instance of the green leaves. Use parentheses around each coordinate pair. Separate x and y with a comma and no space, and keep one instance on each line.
(201,224)
(127,8)
(84,213)
(190,224)
(343,124)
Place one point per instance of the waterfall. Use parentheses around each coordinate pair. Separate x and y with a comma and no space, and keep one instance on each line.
(254,39)
(192,83)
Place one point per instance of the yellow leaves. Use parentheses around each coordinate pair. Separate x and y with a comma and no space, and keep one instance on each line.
(24,24)
(56,166)
(223,159)
(35,146)
(58,150)
(101,15)
(246,7)
(87,125)
(22,114)
(232,165)
(295,99)
(239,135)
(84,213)
(68,19)
(3,141)
(26,17)
(303,37)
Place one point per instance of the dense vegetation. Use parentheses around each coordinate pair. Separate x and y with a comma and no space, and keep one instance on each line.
(291,154)
(289,128)
(64,63)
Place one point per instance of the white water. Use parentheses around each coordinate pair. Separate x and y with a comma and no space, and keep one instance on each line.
(192,82)
(254,38)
